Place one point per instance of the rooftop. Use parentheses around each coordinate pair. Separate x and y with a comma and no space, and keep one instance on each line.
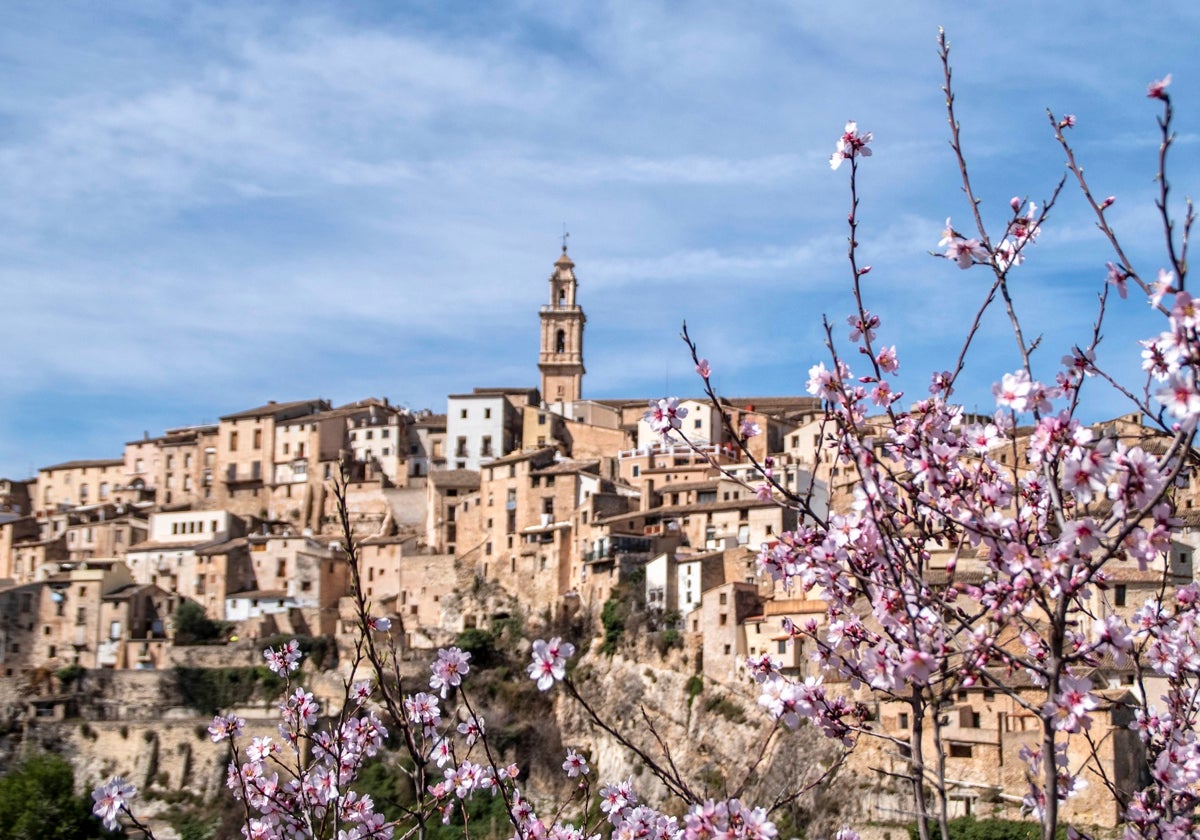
(274,409)
(84,464)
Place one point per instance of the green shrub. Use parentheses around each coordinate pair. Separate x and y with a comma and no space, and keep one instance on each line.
(613,616)
(726,708)
(209,690)
(481,645)
(37,799)
(969,828)
(69,674)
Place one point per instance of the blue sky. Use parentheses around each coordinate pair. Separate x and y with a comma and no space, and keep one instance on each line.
(206,206)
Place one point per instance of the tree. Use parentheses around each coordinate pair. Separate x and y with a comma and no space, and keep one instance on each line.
(192,624)
(37,800)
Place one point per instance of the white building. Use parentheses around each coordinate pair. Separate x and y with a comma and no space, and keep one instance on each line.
(484,425)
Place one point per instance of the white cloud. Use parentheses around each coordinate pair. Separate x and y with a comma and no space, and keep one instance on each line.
(240,199)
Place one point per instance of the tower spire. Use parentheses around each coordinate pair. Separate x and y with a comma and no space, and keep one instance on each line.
(561,358)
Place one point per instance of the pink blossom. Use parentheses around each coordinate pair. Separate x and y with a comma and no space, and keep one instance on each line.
(1164,285)
(966,252)
(1158,88)
(449,669)
(225,726)
(110,799)
(850,144)
(665,415)
(750,428)
(821,382)
(549,661)
(284,660)
(1013,391)
(575,764)
(1180,396)
(380,625)
(703,368)
(1069,708)
(887,359)
(861,325)
(1118,277)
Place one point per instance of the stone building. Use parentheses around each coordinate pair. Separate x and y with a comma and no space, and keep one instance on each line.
(485,424)
(297,579)
(445,493)
(245,453)
(134,623)
(57,621)
(76,483)
(170,555)
(15,496)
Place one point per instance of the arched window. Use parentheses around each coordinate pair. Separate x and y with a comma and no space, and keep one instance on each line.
(562,297)
(560,342)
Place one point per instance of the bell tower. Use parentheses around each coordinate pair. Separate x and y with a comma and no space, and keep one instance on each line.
(561,357)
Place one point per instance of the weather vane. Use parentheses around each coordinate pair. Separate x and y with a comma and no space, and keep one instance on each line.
(565,235)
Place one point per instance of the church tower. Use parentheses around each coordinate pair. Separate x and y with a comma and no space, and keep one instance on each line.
(561,357)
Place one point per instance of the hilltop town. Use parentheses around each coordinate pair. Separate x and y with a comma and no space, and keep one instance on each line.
(517,501)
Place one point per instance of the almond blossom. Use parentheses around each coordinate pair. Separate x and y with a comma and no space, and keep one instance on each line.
(110,799)
(850,144)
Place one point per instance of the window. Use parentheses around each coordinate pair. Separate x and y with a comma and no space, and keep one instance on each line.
(1119,594)
(486,449)
(902,720)
(463,414)
(460,448)
(723,619)
(724,598)
(258,438)
(961,751)
(560,342)
(370,434)
(541,419)
(103,489)
(697,423)
(287,446)
(487,414)
(383,433)
(233,441)
(782,649)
